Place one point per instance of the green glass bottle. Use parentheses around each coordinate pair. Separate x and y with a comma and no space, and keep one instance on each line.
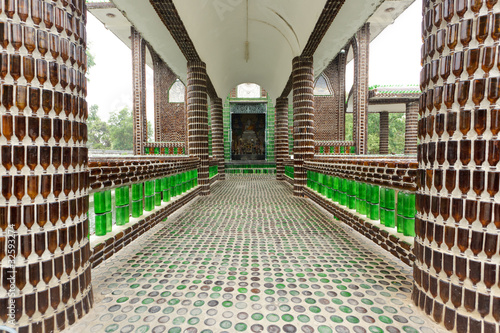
(100,224)
(122,215)
(137,208)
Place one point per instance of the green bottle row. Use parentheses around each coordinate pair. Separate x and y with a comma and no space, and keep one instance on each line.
(331,150)
(289,171)
(213,171)
(144,197)
(158,150)
(374,202)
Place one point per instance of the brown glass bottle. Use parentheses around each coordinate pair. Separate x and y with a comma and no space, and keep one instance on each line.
(478,87)
(43,45)
(19,154)
(47,271)
(58,267)
(493,152)
(490,244)
(490,276)
(495,121)
(46,182)
(34,274)
(29,68)
(493,183)
(465,152)
(470,210)
(21,98)
(57,184)
(464,181)
(44,157)
(493,89)
(479,151)
(56,156)
(20,127)
(40,245)
(465,122)
(482,26)
(472,60)
(450,180)
(16,36)
(48,14)
(8,99)
(452,36)
(33,186)
(41,214)
(457,209)
(495,30)
(55,297)
(466,32)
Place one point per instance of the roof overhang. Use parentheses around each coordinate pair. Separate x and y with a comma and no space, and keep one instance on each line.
(278,31)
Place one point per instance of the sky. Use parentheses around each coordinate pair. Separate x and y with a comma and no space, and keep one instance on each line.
(110,85)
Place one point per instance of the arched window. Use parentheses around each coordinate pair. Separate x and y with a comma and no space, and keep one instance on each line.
(322,87)
(177,92)
(248,90)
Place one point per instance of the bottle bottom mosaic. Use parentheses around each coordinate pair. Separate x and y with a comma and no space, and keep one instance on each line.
(253,258)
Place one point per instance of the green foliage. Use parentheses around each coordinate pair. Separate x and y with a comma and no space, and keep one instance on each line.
(348,127)
(98,131)
(396,133)
(121,129)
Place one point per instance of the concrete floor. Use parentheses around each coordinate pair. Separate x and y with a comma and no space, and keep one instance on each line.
(253,258)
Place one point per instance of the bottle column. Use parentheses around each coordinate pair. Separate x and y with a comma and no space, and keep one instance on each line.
(44,249)
(411,128)
(218,135)
(384,133)
(361,48)
(281,136)
(197,119)
(139,89)
(456,272)
(303,119)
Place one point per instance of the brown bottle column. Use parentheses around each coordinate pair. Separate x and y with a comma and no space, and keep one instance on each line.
(361,47)
(384,133)
(139,90)
(411,128)
(197,118)
(458,218)
(44,249)
(303,119)
(218,135)
(281,136)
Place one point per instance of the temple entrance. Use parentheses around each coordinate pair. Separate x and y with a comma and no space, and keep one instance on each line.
(248,136)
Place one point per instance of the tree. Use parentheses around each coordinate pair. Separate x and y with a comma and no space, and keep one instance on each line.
(121,129)
(90,59)
(98,132)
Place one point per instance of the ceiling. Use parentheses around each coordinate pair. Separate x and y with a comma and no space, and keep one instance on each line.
(276,32)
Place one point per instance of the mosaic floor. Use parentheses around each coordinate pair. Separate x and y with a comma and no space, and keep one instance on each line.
(252,258)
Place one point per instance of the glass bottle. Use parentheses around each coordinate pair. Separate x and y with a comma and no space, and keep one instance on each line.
(450,180)
(478,87)
(21,98)
(29,39)
(28,68)
(19,157)
(493,89)
(20,127)
(46,129)
(461,7)
(493,152)
(59,19)
(463,239)
(4,65)
(448,10)
(472,60)
(40,246)
(46,182)
(33,128)
(438,179)
(465,122)
(495,30)
(16,36)
(57,186)
(48,15)
(23,9)
(41,71)
(440,121)
(470,210)
(449,92)
(56,156)
(36,11)
(54,45)
(465,152)
(440,40)
(34,274)
(490,244)
(449,237)
(57,129)
(482,26)
(464,181)
(4,34)
(7,156)
(480,116)
(8,101)
(46,101)
(485,213)
(44,157)
(33,186)
(493,183)
(458,63)
(54,73)
(452,39)
(438,228)
(438,98)
(47,271)
(58,102)
(41,216)
(466,32)
(457,208)
(15,66)
(43,45)
(479,151)
(54,211)
(10,8)
(58,267)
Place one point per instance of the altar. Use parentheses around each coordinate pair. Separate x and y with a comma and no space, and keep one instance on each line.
(248,137)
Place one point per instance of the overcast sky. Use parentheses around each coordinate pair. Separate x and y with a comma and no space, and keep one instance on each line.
(394,59)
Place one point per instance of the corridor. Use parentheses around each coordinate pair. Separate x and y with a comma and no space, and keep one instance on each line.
(252,258)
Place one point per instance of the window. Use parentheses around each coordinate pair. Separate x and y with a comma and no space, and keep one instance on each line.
(248,90)
(322,87)
(177,92)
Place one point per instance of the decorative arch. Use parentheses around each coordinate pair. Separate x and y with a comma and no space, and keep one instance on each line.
(322,86)
(248,90)
(177,92)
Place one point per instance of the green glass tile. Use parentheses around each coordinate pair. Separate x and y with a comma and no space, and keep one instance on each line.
(100,225)
(149,188)
(137,208)
(122,197)
(409,226)
(390,199)
(109,221)
(374,212)
(158,185)
(400,223)
(390,217)
(99,203)
(149,203)
(122,215)
(137,192)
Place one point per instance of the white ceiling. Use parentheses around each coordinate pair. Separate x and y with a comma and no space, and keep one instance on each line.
(278,31)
